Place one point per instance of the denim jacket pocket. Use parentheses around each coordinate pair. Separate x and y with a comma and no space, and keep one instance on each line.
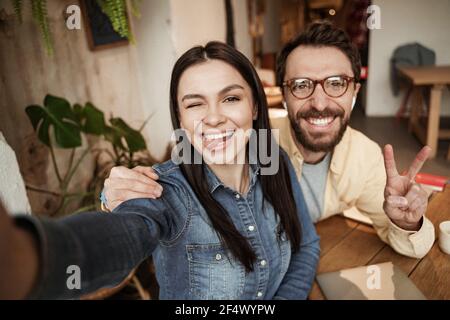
(214,273)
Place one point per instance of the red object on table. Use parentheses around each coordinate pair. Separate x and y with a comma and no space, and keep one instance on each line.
(431,180)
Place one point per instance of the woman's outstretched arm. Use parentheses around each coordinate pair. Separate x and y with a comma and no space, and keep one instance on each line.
(19,259)
(40,257)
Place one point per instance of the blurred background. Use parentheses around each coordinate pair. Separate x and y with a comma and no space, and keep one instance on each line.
(85,84)
(109,63)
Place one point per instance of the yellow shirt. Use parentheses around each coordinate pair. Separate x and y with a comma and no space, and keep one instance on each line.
(357,178)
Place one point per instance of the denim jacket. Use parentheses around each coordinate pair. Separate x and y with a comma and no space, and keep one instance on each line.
(190,261)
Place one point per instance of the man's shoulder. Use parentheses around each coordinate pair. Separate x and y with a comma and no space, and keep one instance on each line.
(360,143)
(356,150)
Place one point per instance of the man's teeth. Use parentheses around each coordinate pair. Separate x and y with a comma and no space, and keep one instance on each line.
(320,121)
(214,136)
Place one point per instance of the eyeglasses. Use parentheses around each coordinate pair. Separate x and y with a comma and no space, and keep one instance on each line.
(334,86)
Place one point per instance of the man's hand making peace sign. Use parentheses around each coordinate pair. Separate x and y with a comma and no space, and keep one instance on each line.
(405,202)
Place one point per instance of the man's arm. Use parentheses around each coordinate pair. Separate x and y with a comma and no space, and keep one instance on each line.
(412,243)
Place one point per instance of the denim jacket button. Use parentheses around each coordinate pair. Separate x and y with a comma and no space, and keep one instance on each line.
(237,196)
(259,294)
(263,262)
(218,256)
(251,228)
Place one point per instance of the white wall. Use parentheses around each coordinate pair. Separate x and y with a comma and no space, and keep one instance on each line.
(242,36)
(165,31)
(196,22)
(405,21)
(156,55)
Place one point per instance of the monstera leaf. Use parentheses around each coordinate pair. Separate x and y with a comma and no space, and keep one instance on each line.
(58,114)
(120,131)
(92,120)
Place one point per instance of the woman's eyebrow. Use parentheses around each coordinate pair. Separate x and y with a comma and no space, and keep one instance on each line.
(192,96)
(229,88)
(221,92)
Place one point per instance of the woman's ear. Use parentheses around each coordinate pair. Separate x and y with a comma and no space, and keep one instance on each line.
(255,112)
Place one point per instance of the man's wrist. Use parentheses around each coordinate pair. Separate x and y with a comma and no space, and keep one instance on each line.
(408,226)
(103,202)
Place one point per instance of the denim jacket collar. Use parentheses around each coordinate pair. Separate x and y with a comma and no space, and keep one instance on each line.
(214,182)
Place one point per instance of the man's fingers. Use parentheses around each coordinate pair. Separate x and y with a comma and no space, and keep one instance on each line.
(125,173)
(417,204)
(397,202)
(116,197)
(414,192)
(418,162)
(133,185)
(148,171)
(389,162)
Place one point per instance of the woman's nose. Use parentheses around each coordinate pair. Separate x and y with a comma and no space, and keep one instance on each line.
(214,117)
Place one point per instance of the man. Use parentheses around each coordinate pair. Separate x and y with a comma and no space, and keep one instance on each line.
(337,166)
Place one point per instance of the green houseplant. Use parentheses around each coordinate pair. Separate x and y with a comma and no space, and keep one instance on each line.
(61,125)
(58,124)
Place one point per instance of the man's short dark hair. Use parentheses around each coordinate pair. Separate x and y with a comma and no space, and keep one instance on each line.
(321,34)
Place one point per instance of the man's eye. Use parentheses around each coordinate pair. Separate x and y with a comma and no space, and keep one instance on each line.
(300,86)
(337,82)
(231,99)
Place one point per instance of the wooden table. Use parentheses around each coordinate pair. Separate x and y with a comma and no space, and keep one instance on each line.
(436,77)
(348,244)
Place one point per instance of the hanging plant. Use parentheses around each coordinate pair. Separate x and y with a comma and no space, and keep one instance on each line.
(39,13)
(115,10)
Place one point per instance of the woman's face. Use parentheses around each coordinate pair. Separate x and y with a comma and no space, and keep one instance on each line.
(216,109)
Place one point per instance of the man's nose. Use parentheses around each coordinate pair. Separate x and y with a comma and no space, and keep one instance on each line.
(319,99)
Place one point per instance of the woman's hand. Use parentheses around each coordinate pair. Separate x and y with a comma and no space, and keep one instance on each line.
(19,259)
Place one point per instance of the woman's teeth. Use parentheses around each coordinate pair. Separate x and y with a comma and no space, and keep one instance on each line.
(215,136)
(320,121)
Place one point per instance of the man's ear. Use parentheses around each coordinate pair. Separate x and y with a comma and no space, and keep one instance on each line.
(357,87)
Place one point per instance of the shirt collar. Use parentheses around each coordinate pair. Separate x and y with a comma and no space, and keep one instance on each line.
(338,157)
(214,182)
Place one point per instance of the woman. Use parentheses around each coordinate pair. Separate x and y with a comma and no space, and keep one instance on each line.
(220,230)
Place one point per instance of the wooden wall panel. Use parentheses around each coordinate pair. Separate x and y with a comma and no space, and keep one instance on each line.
(107,78)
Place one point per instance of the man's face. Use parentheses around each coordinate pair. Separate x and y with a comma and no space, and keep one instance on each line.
(319,121)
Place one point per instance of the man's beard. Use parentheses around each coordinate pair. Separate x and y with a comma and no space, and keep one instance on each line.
(309,142)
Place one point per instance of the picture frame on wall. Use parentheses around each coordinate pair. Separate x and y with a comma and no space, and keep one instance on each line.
(99,30)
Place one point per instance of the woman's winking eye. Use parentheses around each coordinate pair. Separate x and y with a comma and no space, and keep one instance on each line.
(195,104)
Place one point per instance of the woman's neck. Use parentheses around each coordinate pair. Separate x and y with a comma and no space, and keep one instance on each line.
(234,176)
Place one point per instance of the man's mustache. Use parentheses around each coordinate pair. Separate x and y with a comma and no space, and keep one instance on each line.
(314,113)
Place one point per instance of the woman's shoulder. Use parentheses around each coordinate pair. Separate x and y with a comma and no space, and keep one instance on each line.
(173,181)
(167,168)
